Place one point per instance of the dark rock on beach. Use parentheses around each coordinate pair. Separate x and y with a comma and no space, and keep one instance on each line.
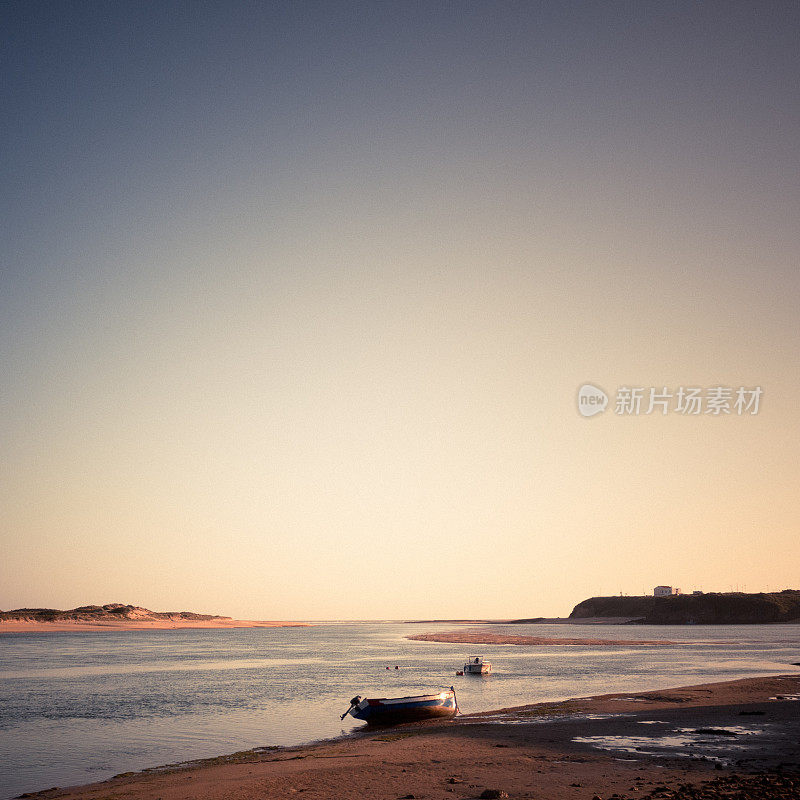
(759,786)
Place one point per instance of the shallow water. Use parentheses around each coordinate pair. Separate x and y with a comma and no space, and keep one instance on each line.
(720,744)
(80,707)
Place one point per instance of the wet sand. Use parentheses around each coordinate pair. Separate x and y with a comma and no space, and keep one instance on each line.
(713,738)
(20,626)
(482,637)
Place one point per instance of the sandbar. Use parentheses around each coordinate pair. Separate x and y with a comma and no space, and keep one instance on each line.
(481,637)
(64,626)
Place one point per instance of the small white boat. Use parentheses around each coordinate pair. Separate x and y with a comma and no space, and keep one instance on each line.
(477,666)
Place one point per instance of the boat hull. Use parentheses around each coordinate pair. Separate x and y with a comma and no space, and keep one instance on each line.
(393,711)
(477,666)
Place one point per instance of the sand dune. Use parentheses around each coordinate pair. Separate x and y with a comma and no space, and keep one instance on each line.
(118,616)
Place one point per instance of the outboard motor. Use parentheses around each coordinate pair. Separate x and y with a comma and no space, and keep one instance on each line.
(354,702)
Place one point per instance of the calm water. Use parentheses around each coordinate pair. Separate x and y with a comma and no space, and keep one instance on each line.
(80,707)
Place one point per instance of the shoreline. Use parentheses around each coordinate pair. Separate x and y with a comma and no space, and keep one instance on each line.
(533,751)
(530,621)
(79,626)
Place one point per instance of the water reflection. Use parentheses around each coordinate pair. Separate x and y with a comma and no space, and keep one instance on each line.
(78,707)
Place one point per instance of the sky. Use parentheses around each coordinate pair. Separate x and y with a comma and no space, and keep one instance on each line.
(296,300)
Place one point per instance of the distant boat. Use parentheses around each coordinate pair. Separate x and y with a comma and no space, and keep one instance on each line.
(477,666)
(394,710)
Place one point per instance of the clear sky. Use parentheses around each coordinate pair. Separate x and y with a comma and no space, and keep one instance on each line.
(296,299)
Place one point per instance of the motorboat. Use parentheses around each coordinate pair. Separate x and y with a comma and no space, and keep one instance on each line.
(477,666)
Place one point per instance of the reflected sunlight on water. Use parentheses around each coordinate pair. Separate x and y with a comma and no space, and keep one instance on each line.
(79,707)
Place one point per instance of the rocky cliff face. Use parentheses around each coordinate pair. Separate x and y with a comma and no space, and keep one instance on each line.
(729,608)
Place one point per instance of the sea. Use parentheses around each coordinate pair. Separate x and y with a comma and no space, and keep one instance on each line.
(82,707)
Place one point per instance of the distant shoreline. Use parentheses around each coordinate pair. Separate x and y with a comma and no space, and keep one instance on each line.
(79,626)
(121,617)
(530,621)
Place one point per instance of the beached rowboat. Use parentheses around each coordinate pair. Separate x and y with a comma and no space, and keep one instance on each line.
(393,710)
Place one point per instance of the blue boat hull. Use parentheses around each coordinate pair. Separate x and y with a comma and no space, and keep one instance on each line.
(405,709)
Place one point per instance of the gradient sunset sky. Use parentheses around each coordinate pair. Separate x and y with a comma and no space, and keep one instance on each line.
(296,299)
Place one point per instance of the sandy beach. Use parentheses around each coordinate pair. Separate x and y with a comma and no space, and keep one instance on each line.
(731,739)
(483,637)
(64,626)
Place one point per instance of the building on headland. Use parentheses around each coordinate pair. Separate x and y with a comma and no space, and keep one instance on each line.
(665,591)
